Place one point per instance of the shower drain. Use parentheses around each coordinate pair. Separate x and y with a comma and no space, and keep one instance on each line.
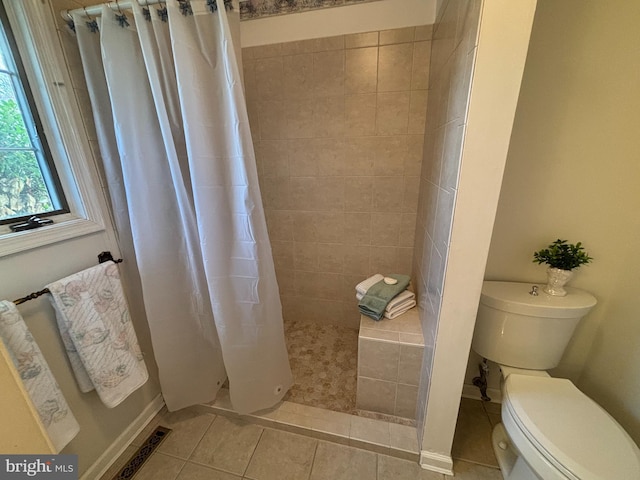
(134,464)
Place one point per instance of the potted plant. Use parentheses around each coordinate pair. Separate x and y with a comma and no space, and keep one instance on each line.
(562,258)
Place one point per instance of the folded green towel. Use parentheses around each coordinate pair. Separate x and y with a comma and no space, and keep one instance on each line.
(380,294)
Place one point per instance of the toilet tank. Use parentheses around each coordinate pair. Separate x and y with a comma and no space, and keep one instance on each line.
(521,330)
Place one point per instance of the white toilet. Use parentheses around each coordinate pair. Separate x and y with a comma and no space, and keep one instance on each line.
(550,430)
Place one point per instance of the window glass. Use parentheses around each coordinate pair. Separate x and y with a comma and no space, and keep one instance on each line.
(28,182)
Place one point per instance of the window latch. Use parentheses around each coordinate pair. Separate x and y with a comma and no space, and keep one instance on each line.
(33,222)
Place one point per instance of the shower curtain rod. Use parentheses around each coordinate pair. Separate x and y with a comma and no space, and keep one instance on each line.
(95,10)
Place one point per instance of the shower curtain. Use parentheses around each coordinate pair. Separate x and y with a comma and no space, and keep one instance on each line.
(173,131)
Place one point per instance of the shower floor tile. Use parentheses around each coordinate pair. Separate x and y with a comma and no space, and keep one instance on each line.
(324,364)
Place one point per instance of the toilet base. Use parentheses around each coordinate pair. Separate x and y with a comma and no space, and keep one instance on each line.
(512,466)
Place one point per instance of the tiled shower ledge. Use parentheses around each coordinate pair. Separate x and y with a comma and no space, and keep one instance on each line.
(366,433)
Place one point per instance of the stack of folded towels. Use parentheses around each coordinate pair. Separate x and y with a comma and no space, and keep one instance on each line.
(380,296)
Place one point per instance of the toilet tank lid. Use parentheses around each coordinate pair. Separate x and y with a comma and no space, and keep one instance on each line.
(570,429)
(514,297)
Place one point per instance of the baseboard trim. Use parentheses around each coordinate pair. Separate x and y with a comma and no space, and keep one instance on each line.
(111,454)
(436,462)
(471,391)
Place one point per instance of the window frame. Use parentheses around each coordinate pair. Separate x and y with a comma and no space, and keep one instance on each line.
(34,128)
(39,46)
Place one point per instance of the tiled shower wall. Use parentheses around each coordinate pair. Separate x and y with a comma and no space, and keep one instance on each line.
(338,127)
(453,57)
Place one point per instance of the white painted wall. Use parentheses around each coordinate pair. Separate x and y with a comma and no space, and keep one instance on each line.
(327,22)
(573,172)
(502,47)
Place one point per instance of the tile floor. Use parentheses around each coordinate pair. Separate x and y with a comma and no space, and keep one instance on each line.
(323,361)
(206,446)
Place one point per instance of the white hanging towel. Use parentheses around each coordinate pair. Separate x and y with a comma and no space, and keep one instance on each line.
(58,421)
(93,318)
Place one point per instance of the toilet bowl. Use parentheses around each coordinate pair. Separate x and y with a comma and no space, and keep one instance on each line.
(550,430)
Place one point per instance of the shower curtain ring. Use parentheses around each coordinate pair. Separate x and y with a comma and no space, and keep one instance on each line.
(86,14)
(118,7)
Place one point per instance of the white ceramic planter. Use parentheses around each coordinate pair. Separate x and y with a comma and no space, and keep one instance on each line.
(556,280)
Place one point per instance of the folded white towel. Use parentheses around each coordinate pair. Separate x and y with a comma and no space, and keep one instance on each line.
(92,314)
(58,421)
(400,309)
(400,299)
(363,286)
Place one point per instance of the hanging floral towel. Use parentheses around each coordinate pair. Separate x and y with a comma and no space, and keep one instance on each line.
(96,328)
(58,421)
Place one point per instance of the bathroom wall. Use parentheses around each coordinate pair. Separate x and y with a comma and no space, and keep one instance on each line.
(30,270)
(338,126)
(479,51)
(573,173)
(453,55)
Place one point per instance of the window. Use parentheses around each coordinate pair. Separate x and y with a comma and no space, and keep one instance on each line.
(52,93)
(29,184)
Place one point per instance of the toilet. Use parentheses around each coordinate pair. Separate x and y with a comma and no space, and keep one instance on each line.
(550,430)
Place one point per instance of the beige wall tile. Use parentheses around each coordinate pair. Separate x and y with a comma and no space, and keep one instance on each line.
(390,155)
(318,285)
(305,193)
(392,113)
(378,360)
(420,67)
(411,194)
(384,260)
(388,194)
(407,230)
(304,226)
(330,156)
(283,254)
(397,35)
(328,116)
(395,67)
(413,159)
(305,256)
(359,40)
(280,225)
(376,395)
(423,32)
(329,43)
(385,229)
(329,73)
(360,155)
(274,157)
(417,111)
(406,399)
(298,75)
(275,192)
(329,195)
(360,114)
(331,257)
(269,77)
(358,194)
(330,227)
(356,262)
(249,78)
(361,70)
(265,51)
(300,117)
(303,160)
(272,121)
(409,364)
(298,47)
(357,229)
(405,260)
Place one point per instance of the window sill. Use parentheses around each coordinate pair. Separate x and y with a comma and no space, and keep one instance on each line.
(66,227)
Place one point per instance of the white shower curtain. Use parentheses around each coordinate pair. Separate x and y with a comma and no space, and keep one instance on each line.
(174,135)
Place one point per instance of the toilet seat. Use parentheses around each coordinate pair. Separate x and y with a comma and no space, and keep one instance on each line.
(563,434)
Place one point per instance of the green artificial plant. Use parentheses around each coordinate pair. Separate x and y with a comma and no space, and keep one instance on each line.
(563,255)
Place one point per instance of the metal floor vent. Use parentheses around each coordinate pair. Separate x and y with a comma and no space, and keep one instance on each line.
(134,464)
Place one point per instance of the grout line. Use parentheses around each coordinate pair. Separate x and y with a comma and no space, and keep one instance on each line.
(244,472)
(313,460)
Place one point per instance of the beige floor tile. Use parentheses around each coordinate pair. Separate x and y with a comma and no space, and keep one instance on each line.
(282,456)
(191,471)
(228,445)
(146,431)
(369,430)
(469,471)
(492,407)
(403,437)
(390,468)
(472,440)
(187,429)
(494,419)
(337,462)
(160,467)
